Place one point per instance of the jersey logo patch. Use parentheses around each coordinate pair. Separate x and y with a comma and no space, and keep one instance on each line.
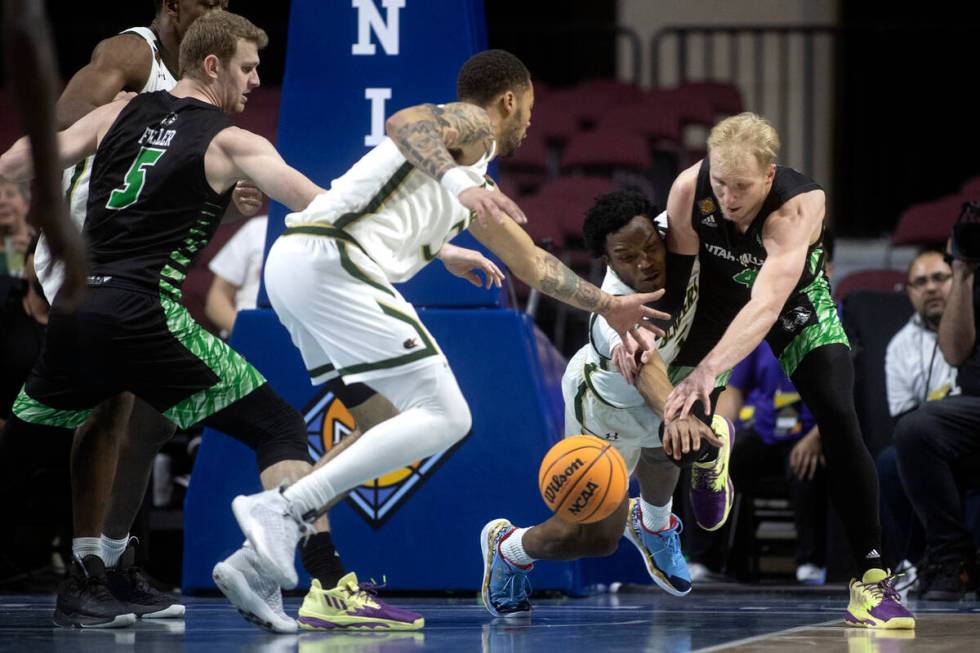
(709,221)
(794,319)
(706,206)
(328,422)
(411,343)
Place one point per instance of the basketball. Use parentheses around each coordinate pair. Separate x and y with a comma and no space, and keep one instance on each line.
(583,479)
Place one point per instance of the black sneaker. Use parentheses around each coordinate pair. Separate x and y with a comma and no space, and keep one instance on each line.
(129,584)
(84,600)
(950,581)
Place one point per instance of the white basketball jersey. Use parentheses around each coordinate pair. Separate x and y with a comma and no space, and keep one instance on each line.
(600,373)
(75,180)
(399,215)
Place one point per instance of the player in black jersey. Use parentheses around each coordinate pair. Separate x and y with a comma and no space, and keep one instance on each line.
(756,229)
(164,170)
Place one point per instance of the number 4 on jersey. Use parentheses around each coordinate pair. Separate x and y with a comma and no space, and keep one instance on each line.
(129,192)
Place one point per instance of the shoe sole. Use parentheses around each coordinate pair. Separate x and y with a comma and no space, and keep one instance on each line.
(898,623)
(233,585)
(487,536)
(173,611)
(119,621)
(286,578)
(317,624)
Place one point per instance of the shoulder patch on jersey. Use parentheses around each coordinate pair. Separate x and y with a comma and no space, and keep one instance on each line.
(706,206)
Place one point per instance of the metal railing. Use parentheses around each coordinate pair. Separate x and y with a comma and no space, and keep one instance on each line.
(765,41)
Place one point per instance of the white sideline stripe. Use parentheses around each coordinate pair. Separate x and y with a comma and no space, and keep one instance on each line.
(757,638)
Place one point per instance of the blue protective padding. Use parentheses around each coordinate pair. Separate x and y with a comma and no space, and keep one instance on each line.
(430,541)
(324,115)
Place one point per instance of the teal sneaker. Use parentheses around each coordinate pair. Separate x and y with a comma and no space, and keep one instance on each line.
(506,588)
(661,551)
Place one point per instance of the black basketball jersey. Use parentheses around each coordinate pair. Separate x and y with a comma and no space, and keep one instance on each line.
(150,207)
(730,260)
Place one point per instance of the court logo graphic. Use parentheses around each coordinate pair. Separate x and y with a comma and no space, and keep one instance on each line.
(327,423)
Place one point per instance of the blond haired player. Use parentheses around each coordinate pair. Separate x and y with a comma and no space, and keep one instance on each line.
(757,230)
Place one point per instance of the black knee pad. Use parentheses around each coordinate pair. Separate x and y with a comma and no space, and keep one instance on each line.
(267,424)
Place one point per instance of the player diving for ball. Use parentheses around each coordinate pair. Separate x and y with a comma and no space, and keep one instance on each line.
(608,397)
(330,279)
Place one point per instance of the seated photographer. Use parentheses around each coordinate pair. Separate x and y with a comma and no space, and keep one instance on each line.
(915,372)
(933,440)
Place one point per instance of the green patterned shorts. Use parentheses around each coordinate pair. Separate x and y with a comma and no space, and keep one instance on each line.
(122,340)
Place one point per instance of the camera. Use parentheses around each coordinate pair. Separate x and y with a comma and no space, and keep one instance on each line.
(966,234)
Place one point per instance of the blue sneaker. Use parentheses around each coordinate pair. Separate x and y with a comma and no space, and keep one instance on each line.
(661,551)
(505,586)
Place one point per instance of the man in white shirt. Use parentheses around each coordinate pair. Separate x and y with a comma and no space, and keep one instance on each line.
(237,271)
(915,370)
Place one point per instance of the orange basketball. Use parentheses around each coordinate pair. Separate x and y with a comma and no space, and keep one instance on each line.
(583,479)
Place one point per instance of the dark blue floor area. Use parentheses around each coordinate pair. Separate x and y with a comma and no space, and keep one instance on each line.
(622,622)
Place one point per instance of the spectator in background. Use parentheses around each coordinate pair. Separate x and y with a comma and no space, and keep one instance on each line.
(934,439)
(915,372)
(23,317)
(15,233)
(237,271)
(34,467)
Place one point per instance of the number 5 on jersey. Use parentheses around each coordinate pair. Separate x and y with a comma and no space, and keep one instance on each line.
(127,194)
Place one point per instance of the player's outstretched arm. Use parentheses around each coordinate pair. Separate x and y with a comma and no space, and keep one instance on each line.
(74,144)
(438,139)
(236,154)
(541,270)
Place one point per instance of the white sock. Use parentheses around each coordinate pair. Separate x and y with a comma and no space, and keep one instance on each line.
(655,518)
(433,416)
(112,550)
(87,546)
(512,548)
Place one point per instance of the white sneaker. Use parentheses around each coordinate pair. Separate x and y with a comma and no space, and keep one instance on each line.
(258,598)
(273,527)
(908,576)
(810,574)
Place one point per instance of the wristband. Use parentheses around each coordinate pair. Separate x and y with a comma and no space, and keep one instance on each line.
(456,180)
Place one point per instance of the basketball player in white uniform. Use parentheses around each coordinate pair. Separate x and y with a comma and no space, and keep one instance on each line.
(606,397)
(330,280)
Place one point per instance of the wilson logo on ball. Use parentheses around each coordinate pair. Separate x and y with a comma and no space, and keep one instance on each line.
(558,480)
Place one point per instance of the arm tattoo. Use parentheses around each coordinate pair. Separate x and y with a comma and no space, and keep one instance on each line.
(557,281)
(422,141)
